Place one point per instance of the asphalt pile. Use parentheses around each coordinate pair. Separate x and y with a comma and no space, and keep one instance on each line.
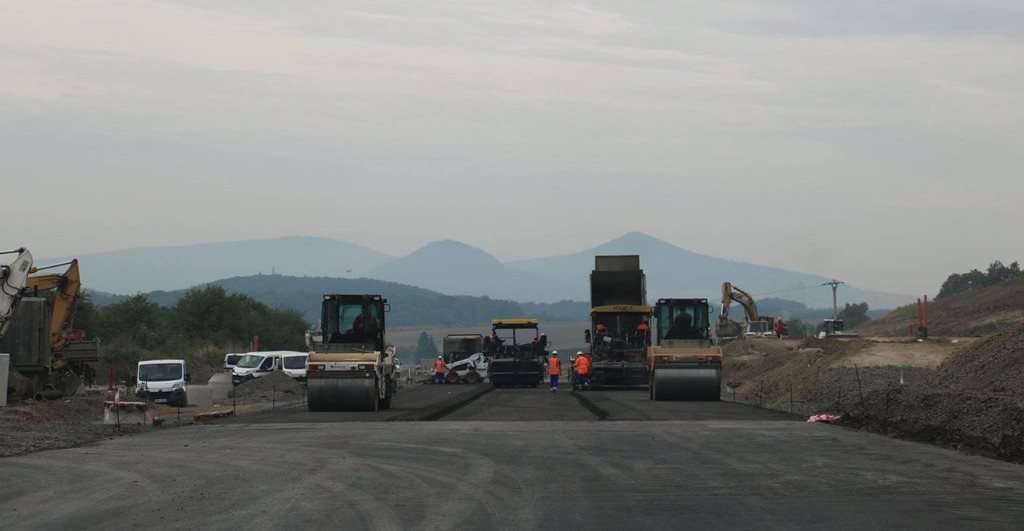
(276,385)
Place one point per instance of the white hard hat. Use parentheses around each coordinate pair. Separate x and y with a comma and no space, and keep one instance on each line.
(579,353)
(439,357)
(554,352)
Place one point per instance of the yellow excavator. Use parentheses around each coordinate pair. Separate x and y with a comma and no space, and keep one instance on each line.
(726,328)
(54,377)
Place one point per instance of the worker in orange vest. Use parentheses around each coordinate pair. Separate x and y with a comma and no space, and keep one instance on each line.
(640,334)
(582,364)
(439,370)
(554,370)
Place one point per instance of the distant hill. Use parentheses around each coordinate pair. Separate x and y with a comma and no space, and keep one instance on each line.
(676,272)
(454,268)
(177,267)
(409,305)
(977,312)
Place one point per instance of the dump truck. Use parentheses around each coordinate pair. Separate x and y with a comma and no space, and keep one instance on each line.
(516,351)
(685,363)
(352,368)
(619,333)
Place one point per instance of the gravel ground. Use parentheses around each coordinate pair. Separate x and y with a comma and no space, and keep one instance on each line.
(973,402)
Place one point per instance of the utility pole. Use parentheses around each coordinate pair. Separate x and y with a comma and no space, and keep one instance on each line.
(834,284)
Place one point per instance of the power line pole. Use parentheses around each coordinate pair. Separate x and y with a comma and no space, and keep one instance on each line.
(834,284)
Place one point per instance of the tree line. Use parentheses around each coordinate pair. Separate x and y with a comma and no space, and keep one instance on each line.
(996,273)
(205,322)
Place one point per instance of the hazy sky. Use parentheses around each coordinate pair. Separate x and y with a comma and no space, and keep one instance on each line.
(878,141)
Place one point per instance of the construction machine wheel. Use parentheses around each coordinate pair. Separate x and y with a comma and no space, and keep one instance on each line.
(472,377)
(698,383)
(452,378)
(342,394)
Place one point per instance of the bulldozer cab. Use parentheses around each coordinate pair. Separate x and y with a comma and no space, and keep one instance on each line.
(515,338)
(683,321)
(353,323)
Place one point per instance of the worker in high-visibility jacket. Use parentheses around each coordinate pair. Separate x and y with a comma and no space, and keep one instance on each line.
(554,370)
(439,370)
(582,364)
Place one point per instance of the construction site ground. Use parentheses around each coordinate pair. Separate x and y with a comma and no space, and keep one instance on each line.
(514,458)
(963,393)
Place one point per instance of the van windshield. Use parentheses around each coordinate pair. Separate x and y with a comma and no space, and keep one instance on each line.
(159,372)
(295,362)
(250,361)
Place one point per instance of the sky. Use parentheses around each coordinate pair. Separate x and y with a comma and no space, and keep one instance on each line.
(876,141)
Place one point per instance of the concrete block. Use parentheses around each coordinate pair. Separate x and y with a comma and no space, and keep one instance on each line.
(200,395)
(220,385)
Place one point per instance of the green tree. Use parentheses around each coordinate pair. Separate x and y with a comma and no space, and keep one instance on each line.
(963,282)
(425,347)
(854,314)
(136,319)
(212,315)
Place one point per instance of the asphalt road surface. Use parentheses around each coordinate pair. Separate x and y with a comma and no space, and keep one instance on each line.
(490,465)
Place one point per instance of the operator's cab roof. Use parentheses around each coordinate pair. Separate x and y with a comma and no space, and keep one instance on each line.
(642,309)
(515,323)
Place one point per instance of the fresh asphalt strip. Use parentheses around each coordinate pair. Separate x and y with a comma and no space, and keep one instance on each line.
(598,412)
(445,408)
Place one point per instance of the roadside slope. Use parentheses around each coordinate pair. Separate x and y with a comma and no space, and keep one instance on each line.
(978,312)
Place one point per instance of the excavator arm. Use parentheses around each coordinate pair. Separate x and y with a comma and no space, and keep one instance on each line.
(13,278)
(731,294)
(67,288)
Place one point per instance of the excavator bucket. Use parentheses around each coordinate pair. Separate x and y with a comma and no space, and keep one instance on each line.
(687,383)
(342,394)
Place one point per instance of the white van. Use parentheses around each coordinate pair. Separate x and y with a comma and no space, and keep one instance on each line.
(255,365)
(230,360)
(163,382)
(294,364)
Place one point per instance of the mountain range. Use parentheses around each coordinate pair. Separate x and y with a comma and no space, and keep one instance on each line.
(454,268)
(409,305)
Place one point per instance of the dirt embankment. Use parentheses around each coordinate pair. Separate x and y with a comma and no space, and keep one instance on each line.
(975,313)
(966,395)
(32,426)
